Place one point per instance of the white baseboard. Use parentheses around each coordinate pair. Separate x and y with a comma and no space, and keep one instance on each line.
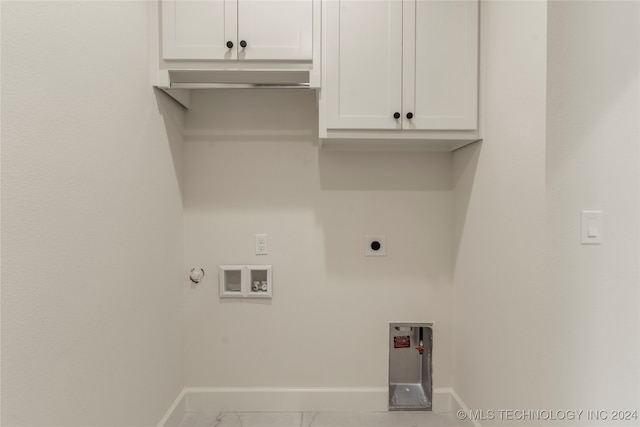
(244,399)
(441,400)
(458,405)
(176,412)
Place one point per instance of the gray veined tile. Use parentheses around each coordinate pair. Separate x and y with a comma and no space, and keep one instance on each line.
(431,419)
(268,419)
(308,418)
(189,419)
(228,419)
(320,419)
(361,419)
(209,419)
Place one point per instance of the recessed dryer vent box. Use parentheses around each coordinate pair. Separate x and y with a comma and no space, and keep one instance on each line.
(232,281)
(410,383)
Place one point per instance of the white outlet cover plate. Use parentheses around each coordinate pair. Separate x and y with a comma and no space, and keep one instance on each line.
(261,244)
(382,239)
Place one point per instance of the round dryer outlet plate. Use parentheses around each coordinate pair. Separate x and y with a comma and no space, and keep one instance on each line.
(375,245)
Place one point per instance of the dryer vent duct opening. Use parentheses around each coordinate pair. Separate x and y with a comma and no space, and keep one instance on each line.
(410,366)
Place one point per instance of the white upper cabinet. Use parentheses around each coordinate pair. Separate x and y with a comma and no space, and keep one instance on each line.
(280,30)
(237,30)
(405,65)
(199,29)
(440,64)
(364,64)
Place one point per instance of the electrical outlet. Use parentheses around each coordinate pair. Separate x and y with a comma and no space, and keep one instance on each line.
(261,244)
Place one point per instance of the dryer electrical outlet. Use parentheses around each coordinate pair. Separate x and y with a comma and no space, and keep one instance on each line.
(375,245)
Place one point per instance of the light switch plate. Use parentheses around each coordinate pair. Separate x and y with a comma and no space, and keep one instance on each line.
(591,228)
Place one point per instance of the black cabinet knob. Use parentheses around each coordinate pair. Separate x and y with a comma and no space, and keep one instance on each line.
(409,116)
(396,116)
(243,43)
(229,44)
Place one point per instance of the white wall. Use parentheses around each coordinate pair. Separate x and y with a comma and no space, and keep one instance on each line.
(593,144)
(499,192)
(91,220)
(253,169)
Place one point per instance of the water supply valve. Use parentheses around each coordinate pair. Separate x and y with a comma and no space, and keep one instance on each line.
(420,347)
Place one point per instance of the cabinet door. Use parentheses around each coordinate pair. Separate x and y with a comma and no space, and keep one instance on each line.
(440,64)
(363,64)
(199,29)
(275,30)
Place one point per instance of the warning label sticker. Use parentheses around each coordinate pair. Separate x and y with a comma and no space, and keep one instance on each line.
(402,342)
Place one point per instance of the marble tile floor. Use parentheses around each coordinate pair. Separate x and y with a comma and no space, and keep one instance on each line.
(319,419)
